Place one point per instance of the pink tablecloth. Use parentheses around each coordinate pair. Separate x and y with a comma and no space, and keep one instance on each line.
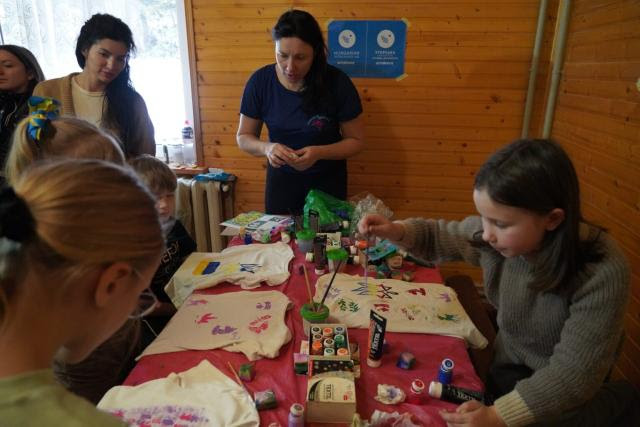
(278,374)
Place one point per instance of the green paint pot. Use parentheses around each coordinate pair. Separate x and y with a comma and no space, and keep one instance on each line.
(313,314)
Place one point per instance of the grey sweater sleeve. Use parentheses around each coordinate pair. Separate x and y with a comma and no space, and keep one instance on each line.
(440,240)
(587,349)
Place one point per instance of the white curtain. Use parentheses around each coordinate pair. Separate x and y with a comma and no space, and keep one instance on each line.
(50,28)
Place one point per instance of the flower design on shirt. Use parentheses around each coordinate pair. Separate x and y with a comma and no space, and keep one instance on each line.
(318,122)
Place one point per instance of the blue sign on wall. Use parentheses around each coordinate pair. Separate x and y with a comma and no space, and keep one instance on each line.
(368,48)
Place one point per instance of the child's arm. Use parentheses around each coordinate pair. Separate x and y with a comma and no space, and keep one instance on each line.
(440,240)
(432,240)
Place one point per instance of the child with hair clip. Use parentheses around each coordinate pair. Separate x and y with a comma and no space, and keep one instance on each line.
(559,284)
(70,276)
(162,182)
(45,135)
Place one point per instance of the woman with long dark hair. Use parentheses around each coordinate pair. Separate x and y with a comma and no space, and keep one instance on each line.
(312,111)
(102,93)
(19,74)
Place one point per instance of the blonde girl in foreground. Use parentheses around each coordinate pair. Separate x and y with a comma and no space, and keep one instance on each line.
(79,241)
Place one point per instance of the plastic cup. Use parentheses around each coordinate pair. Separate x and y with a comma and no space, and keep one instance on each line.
(304,240)
(335,257)
(310,315)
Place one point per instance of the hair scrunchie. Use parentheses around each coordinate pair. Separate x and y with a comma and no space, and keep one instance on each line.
(16,221)
(41,111)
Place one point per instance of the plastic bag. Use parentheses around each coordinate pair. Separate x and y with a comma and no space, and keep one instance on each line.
(331,210)
(366,203)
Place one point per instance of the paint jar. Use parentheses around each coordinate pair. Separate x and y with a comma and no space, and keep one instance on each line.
(316,330)
(328,343)
(328,351)
(416,394)
(327,332)
(339,340)
(337,257)
(316,348)
(446,371)
(342,352)
(313,314)
(296,415)
(304,240)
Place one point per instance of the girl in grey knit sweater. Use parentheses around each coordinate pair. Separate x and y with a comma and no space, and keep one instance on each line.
(560,286)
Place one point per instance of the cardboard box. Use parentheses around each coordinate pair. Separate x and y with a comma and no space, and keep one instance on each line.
(335,357)
(331,396)
(331,389)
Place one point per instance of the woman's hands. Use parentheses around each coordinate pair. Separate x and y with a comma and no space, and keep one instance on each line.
(381,226)
(305,157)
(473,413)
(278,154)
(300,160)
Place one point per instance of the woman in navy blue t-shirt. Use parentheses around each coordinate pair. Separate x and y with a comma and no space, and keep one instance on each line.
(312,111)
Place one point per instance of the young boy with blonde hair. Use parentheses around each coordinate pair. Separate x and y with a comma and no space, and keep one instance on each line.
(162,182)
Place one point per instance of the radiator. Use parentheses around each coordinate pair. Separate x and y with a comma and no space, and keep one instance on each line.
(202,206)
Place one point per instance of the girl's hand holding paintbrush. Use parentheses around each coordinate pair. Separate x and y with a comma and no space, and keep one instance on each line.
(380,226)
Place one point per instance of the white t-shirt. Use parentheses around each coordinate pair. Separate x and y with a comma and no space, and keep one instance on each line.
(245,265)
(248,322)
(201,396)
(428,308)
(87,105)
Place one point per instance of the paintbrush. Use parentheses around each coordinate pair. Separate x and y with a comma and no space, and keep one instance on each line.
(306,279)
(330,283)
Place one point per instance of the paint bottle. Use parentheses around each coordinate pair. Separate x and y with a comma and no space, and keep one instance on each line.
(316,348)
(342,352)
(329,351)
(446,371)
(339,341)
(416,392)
(327,332)
(455,394)
(296,415)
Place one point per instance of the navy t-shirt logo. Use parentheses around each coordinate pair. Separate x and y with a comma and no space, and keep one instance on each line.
(318,122)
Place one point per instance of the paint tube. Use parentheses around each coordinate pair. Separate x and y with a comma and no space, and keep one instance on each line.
(455,394)
(377,326)
(320,253)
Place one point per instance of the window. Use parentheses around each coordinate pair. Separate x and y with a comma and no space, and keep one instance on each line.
(159,69)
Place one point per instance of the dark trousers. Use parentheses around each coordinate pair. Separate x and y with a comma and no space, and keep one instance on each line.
(285,191)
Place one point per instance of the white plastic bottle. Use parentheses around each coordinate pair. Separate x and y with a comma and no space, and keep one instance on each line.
(188,149)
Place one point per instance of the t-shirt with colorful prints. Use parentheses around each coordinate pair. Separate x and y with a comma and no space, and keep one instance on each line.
(201,396)
(248,322)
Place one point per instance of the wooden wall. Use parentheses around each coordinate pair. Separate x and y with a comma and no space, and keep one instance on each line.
(467,64)
(598,121)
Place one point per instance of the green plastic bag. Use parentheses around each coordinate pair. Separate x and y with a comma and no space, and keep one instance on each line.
(331,211)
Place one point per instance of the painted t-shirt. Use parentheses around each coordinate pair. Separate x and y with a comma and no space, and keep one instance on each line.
(200,396)
(266,99)
(246,322)
(427,308)
(245,265)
